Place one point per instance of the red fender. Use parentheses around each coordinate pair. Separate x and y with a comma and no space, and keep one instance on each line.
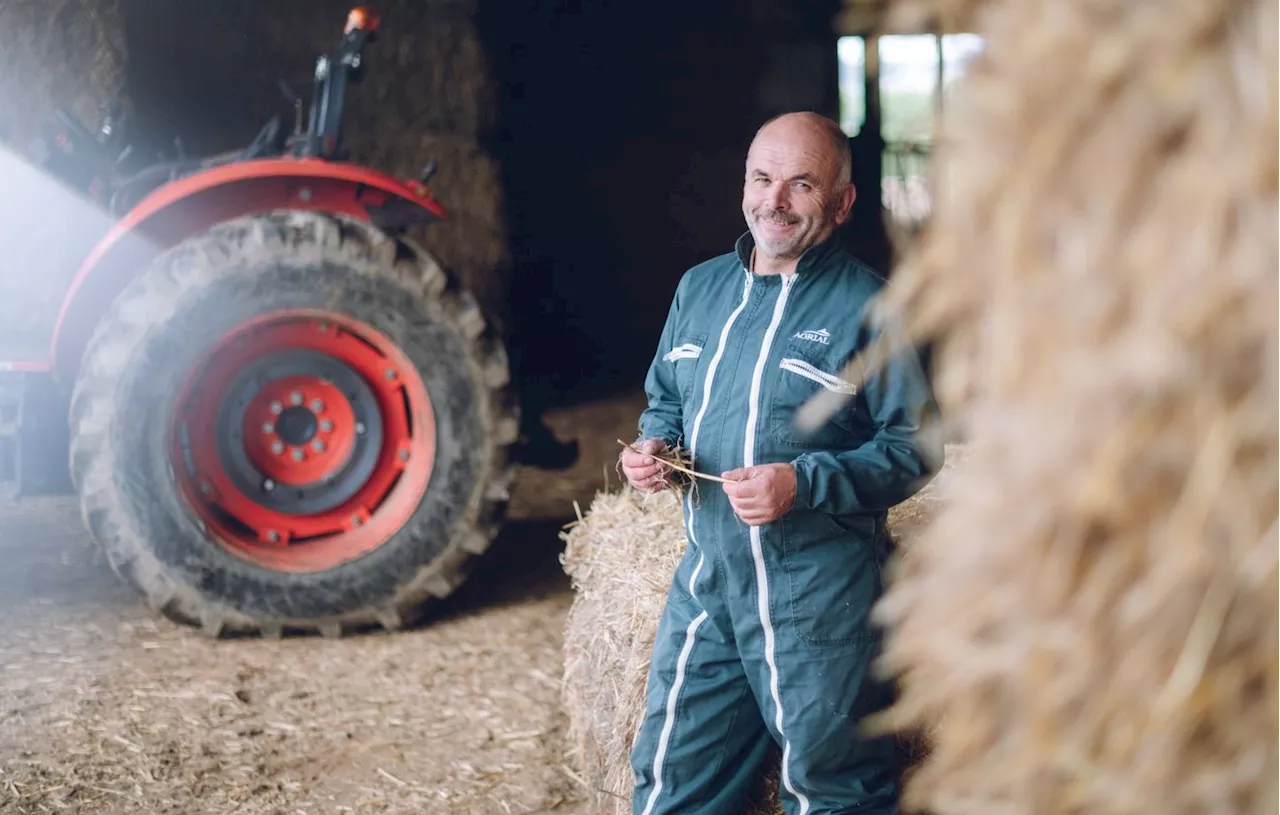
(195,203)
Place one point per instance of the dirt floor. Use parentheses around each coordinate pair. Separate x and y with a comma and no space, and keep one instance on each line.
(104,708)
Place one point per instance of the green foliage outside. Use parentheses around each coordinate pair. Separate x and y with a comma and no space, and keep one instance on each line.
(907,117)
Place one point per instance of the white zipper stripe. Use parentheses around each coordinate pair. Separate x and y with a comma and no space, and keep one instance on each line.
(826,380)
(682,663)
(664,740)
(711,370)
(686,351)
(757,548)
(702,411)
(757,375)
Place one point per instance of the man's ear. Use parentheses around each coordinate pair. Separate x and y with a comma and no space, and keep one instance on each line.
(845,203)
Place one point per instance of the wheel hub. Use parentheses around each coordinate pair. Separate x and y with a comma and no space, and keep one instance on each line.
(306,421)
(297,426)
(304,430)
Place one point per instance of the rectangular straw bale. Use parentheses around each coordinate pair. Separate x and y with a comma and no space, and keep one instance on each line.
(620,558)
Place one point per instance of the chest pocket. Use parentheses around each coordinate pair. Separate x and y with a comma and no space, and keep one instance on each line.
(805,370)
(684,358)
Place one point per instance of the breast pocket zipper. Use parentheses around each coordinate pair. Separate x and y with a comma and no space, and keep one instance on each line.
(829,381)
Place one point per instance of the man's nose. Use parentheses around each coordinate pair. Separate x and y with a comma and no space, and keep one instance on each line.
(776,197)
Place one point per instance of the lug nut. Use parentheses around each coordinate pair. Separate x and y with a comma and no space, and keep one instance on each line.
(277,447)
(268,428)
(359,428)
(391,373)
(297,455)
(206,488)
(295,398)
(404,455)
(273,536)
(317,406)
(318,446)
(277,408)
(326,425)
(268,485)
(356,520)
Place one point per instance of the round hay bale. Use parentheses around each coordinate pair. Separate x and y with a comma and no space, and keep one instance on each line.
(427,92)
(1090,623)
(472,240)
(53,53)
(620,557)
(68,53)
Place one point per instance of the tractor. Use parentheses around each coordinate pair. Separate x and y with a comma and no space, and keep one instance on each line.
(278,412)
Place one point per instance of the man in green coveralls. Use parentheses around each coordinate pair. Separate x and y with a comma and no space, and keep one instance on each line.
(766,629)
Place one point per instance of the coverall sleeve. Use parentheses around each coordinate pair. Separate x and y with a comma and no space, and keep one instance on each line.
(890,467)
(663,418)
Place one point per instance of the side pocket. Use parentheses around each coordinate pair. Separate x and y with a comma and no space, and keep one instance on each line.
(833,576)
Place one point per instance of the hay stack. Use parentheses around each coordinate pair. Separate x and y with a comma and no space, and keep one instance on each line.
(620,557)
(427,91)
(67,53)
(57,52)
(1091,621)
(472,242)
(430,94)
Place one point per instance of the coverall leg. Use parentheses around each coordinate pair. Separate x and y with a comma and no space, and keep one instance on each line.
(808,650)
(722,668)
(702,745)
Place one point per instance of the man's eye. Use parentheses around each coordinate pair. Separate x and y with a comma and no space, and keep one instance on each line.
(803,186)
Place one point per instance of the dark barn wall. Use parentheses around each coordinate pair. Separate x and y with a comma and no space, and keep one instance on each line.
(589,152)
(624,129)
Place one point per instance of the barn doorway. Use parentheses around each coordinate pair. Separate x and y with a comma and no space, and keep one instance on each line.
(902,82)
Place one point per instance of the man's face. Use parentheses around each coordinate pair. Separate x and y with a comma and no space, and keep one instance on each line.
(792,198)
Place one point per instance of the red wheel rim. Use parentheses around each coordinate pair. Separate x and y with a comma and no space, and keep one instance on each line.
(303,439)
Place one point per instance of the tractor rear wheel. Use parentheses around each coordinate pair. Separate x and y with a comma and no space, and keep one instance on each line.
(292,421)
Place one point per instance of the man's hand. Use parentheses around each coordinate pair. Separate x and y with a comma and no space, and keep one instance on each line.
(642,470)
(763,494)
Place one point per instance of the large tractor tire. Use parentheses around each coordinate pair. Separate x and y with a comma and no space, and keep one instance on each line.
(292,422)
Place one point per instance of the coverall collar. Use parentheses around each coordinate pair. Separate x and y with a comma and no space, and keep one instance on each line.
(811,262)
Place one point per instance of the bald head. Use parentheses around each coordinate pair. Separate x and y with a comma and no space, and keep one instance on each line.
(825,136)
(797,188)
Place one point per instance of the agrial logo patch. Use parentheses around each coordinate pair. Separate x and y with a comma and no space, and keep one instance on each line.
(820,336)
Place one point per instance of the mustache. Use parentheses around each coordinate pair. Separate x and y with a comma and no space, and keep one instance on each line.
(775,215)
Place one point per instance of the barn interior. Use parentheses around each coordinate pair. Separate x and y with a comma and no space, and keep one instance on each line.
(588,154)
